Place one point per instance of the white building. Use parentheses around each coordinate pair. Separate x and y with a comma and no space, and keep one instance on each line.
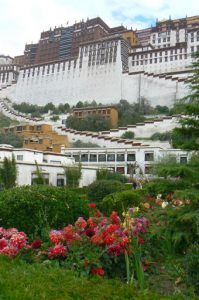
(125,160)
(50,164)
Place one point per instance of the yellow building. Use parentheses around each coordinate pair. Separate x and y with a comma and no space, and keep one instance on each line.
(108,112)
(39,137)
(131,37)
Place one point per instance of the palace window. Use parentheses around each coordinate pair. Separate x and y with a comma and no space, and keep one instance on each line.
(149,156)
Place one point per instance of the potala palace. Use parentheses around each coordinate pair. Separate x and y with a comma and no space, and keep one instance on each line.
(91,61)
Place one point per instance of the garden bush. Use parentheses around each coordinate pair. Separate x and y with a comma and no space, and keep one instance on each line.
(104,174)
(163,186)
(101,188)
(33,209)
(121,201)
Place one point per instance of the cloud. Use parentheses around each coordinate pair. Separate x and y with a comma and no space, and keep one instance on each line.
(22,21)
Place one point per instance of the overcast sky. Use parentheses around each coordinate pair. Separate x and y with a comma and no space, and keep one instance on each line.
(22,21)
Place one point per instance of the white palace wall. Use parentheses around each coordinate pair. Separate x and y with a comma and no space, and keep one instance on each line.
(157,75)
(68,82)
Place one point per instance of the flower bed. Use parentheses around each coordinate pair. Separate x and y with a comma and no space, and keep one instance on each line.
(96,246)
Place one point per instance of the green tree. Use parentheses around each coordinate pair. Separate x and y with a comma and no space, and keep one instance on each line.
(11,139)
(187,136)
(73,175)
(90,123)
(8,173)
(39,178)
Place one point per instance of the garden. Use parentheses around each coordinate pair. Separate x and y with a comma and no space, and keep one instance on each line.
(105,241)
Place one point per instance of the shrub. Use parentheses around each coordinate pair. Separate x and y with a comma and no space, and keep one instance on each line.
(101,188)
(163,186)
(157,136)
(121,201)
(128,135)
(191,263)
(107,175)
(33,209)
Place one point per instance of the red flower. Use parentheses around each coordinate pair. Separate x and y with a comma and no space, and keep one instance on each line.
(114,218)
(96,239)
(109,239)
(92,205)
(36,244)
(115,250)
(3,243)
(80,223)
(98,271)
(97,213)
(89,232)
(91,223)
(140,241)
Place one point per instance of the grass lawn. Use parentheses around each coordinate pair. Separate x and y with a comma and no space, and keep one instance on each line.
(19,280)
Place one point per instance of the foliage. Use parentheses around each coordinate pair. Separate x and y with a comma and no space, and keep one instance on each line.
(6,121)
(157,136)
(101,188)
(186,136)
(39,179)
(128,135)
(163,186)
(73,175)
(36,110)
(121,201)
(54,118)
(182,173)
(21,281)
(11,139)
(8,173)
(191,265)
(80,144)
(162,109)
(128,113)
(104,174)
(34,209)
(90,123)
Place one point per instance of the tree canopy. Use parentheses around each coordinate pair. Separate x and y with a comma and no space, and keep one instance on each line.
(187,136)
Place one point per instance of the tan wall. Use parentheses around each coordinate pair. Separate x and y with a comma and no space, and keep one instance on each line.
(131,37)
(40,137)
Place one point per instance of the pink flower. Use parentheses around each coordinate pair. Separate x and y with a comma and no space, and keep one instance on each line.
(9,232)
(56,236)
(18,240)
(10,251)
(56,251)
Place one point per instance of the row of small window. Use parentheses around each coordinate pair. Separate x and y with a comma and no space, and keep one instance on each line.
(4,68)
(156,54)
(45,178)
(194,33)
(160,33)
(156,60)
(163,40)
(194,40)
(193,49)
(112,157)
(48,69)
